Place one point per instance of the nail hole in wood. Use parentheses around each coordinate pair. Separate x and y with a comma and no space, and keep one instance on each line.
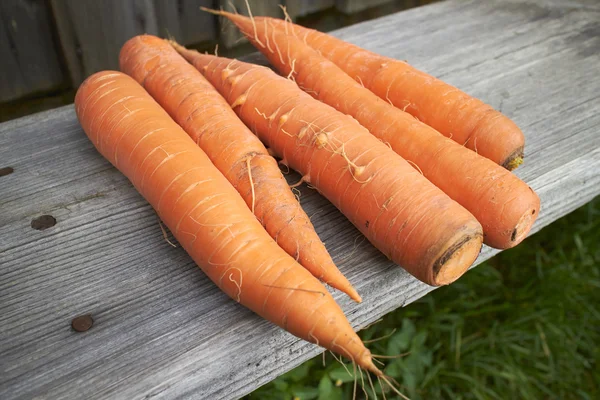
(43,222)
(82,323)
(6,171)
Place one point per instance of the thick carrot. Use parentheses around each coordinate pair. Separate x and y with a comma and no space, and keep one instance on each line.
(411,221)
(463,118)
(504,205)
(207,216)
(203,113)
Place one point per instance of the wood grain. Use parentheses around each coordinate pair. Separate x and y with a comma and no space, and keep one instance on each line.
(185,21)
(28,53)
(92,32)
(161,329)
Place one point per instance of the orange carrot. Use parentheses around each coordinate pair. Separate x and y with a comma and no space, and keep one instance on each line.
(207,216)
(396,208)
(203,113)
(504,205)
(463,118)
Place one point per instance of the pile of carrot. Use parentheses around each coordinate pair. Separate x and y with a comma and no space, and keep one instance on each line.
(419,167)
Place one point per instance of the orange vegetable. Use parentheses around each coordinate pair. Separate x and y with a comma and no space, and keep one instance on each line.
(504,205)
(411,221)
(203,113)
(207,216)
(463,118)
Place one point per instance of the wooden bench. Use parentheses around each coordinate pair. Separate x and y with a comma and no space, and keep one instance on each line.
(162,329)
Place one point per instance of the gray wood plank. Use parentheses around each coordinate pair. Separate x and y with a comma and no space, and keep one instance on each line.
(92,32)
(162,329)
(354,6)
(300,8)
(185,21)
(29,55)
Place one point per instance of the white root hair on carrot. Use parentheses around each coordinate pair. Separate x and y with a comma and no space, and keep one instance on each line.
(296,193)
(381,337)
(381,387)
(313,337)
(371,385)
(290,76)
(267,36)
(262,114)
(355,380)
(359,79)
(355,170)
(286,17)
(378,362)
(414,165)
(164,232)
(362,382)
(475,145)
(217,50)
(386,379)
(253,24)
(309,91)
(277,48)
(304,38)
(232,6)
(295,185)
(235,282)
(406,106)
(249,168)
(387,95)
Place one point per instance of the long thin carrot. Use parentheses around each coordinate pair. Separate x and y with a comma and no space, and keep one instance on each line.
(411,221)
(504,205)
(203,113)
(463,118)
(207,216)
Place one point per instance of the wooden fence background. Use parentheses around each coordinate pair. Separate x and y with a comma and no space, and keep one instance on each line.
(52,45)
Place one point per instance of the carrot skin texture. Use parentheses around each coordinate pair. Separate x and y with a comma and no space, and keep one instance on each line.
(207,216)
(505,206)
(407,218)
(209,120)
(465,119)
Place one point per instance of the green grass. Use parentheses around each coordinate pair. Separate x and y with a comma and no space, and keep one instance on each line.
(524,325)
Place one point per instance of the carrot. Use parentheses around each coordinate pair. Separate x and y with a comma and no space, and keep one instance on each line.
(411,221)
(207,216)
(203,113)
(504,205)
(455,114)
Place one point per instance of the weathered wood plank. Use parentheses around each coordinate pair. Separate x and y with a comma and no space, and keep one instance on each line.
(162,329)
(29,55)
(92,32)
(185,21)
(354,6)
(300,8)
